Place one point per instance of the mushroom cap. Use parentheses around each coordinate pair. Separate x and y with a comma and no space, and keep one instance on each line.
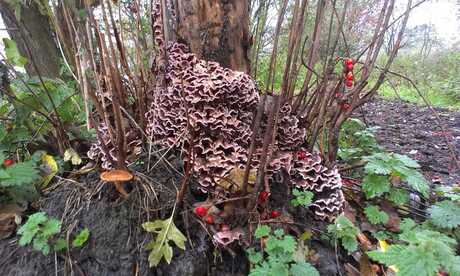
(116,175)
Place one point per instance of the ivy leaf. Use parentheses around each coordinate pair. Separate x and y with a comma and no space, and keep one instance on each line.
(81,238)
(445,214)
(12,53)
(375,185)
(375,216)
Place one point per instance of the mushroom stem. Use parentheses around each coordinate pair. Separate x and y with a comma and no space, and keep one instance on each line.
(120,189)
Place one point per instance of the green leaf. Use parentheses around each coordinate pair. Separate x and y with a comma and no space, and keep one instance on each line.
(445,214)
(253,256)
(12,53)
(375,216)
(303,198)
(262,231)
(81,238)
(31,227)
(21,174)
(303,269)
(344,230)
(375,185)
(407,161)
(416,180)
(398,196)
(51,227)
(166,232)
(60,244)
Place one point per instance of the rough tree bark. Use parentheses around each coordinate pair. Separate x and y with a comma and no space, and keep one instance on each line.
(36,34)
(216,30)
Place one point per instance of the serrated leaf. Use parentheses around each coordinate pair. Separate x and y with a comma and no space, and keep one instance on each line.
(374,185)
(407,161)
(81,238)
(375,216)
(445,214)
(398,196)
(50,227)
(20,174)
(303,269)
(262,231)
(60,244)
(31,227)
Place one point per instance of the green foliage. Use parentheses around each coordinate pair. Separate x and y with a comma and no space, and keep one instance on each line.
(381,166)
(81,238)
(279,256)
(12,53)
(423,252)
(160,247)
(374,215)
(344,230)
(302,198)
(39,229)
(356,140)
(445,214)
(17,180)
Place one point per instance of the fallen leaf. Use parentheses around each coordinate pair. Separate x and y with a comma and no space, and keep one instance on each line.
(365,267)
(10,217)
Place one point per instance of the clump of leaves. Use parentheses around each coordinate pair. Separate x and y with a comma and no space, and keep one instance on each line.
(301,198)
(160,247)
(374,215)
(42,232)
(382,168)
(17,180)
(39,230)
(445,214)
(422,252)
(279,256)
(345,231)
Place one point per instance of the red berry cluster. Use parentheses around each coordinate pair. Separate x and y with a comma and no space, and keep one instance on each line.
(348,73)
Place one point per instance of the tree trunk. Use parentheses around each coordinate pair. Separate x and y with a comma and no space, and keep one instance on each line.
(216,30)
(34,38)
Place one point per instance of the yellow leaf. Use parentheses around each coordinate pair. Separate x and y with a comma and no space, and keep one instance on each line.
(49,161)
(72,156)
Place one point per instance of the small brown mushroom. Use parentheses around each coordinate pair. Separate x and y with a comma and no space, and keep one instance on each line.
(117,177)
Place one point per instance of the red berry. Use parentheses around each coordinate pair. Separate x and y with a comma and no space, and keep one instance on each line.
(275,214)
(346,106)
(349,76)
(201,211)
(301,155)
(209,219)
(349,83)
(348,61)
(8,162)
(263,196)
(349,67)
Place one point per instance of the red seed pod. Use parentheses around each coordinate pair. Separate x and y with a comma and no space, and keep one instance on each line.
(263,196)
(8,162)
(275,214)
(301,155)
(209,219)
(201,211)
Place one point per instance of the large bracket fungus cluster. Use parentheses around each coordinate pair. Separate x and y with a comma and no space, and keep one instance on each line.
(207,111)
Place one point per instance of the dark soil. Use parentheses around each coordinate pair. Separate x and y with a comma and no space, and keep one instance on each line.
(116,244)
(412,130)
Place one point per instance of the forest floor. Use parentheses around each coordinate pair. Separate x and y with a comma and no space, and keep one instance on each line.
(116,239)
